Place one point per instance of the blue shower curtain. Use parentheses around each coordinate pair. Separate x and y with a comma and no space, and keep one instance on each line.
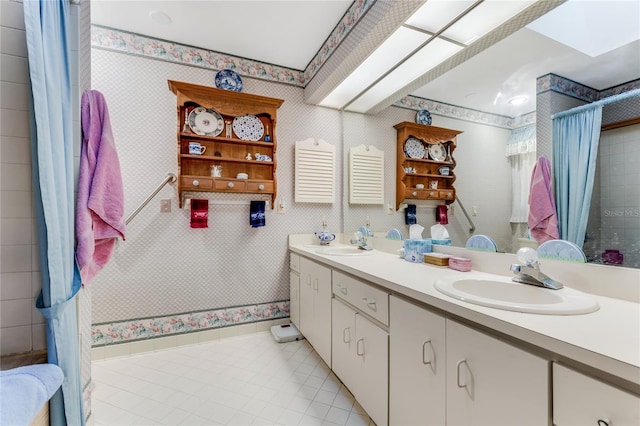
(53,181)
(575,150)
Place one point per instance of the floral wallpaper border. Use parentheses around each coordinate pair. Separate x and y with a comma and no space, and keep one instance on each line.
(461,113)
(136,44)
(146,328)
(580,91)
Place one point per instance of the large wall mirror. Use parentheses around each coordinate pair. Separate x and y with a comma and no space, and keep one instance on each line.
(483,173)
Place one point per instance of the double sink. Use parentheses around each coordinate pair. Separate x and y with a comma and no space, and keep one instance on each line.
(498,292)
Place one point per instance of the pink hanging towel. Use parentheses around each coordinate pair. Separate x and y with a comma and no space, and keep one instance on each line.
(543,221)
(100,206)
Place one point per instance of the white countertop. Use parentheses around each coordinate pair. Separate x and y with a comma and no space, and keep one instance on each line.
(607,340)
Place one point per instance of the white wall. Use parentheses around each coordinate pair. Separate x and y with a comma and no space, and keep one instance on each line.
(22,328)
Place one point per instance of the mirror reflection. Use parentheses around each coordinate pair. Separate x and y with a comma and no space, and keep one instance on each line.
(490,179)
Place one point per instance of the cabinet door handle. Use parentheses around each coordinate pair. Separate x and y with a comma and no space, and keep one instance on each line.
(604,422)
(464,361)
(230,185)
(315,284)
(358,352)
(196,182)
(432,355)
(370,305)
(346,335)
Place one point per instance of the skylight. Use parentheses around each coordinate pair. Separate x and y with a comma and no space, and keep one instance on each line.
(598,26)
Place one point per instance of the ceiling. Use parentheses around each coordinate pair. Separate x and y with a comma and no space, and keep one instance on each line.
(290,33)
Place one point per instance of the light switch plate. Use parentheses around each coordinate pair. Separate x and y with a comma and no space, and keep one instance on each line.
(165,205)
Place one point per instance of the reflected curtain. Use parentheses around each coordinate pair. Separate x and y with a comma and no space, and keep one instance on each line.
(575,150)
(521,152)
(46,25)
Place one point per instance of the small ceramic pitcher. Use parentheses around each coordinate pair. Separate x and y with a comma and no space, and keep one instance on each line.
(325,237)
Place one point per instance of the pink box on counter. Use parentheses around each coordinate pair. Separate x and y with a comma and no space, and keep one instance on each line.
(460,264)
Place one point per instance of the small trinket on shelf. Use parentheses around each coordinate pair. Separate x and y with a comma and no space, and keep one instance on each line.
(267,136)
(228,129)
(248,157)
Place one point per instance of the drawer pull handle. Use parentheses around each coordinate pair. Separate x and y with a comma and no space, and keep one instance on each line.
(346,335)
(414,193)
(604,422)
(464,361)
(261,187)
(343,290)
(230,185)
(432,355)
(358,352)
(370,305)
(196,182)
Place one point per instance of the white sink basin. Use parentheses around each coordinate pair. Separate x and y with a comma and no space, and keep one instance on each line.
(344,251)
(502,293)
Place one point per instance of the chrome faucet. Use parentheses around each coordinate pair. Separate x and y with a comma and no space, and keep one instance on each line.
(361,240)
(531,274)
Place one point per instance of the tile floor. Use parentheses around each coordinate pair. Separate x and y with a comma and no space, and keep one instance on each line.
(244,380)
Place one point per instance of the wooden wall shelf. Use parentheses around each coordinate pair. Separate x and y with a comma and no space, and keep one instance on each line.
(426,169)
(194,171)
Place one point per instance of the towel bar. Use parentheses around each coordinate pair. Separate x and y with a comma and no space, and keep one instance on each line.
(169,179)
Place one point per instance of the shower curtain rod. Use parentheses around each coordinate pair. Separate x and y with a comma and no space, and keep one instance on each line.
(169,179)
(601,102)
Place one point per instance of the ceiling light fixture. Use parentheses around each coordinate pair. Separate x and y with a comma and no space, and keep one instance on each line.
(518,100)
(160,17)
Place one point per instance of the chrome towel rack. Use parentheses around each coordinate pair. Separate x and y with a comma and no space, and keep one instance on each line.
(169,179)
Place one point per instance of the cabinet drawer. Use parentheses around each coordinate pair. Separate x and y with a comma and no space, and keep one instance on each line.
(260,186)
(368,299)
(422,193)
(580,400)
(229,185)
(196,182)
(294,262)
(446,194)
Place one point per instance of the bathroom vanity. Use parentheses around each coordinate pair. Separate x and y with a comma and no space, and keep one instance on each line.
(412,355)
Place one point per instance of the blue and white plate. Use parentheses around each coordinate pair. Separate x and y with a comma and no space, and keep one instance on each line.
(228,80)
(423,117)
(561,250)
(481,243)
(248,127)
(394,234)
(414,148)
(206,122)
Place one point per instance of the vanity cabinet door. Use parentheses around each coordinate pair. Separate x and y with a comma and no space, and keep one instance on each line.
(491,382)
(360,359)
(580,400)
(417,365)
(315,306)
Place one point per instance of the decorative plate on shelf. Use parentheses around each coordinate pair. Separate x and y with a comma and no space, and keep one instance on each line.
(423,117)
(481,243)
(414,148)
(437,152)
(206,122)
(561,250)
(228,80)
(248,127)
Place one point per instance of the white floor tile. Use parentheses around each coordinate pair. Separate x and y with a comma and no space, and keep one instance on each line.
(242,380)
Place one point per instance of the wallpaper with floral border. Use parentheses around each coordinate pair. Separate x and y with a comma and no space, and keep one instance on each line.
(568,87)
(344,27)
(145,328)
